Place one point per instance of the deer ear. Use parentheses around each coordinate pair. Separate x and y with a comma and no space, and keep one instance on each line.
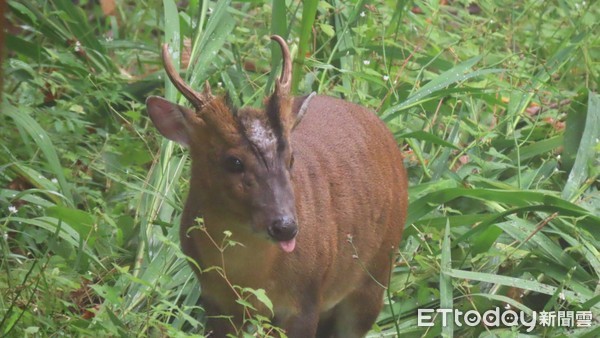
(299,108)
(171,120)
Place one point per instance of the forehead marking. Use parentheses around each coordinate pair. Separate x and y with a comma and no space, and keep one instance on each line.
(261,135)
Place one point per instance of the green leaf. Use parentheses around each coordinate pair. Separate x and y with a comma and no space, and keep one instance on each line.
(446,289)
(587,153)
(173,39)
(327,29)
(245,304)
(484,240)
(23,10)
(574,127)
(79,220)
(426,136)
(261,296)
(536,148)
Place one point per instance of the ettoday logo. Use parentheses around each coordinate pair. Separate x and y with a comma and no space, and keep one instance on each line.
(507,318)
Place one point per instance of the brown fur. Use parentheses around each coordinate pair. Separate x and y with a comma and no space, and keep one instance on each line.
(348,181)
(348,190)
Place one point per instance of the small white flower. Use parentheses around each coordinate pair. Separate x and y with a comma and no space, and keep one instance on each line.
(54,180)
(109,38)
(12,209)
(219,84)
(385,78)
(362,14)
(367,62)
(561,296)
(77,46)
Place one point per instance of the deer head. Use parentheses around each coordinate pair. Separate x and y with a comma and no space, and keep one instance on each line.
(241,158)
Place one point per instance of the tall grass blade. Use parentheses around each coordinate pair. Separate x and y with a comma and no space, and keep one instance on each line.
(279,27)
(518,283)
(173,39)
(308,18)
(424,205)
(454,75)
(210,41)
(446,289)
(588,153)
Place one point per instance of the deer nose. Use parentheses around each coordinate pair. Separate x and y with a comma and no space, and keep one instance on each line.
(283,229)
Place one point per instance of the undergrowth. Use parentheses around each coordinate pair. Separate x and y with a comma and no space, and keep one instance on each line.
(494,105)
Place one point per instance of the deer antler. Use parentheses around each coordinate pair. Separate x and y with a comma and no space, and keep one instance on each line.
(197,99)
(284,82)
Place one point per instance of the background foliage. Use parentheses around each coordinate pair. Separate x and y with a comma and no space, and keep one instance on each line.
(494,105)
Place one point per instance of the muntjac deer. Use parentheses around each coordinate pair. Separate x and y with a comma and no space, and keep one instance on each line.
(314,190)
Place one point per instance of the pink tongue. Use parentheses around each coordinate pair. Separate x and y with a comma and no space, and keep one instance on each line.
(288,246)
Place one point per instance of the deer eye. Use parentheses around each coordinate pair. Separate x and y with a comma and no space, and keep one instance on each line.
(233,165)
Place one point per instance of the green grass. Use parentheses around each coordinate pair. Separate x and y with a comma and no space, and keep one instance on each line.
(497,113)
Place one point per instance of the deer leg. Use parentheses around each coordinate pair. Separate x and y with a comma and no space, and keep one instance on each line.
(355,315)
(302,324)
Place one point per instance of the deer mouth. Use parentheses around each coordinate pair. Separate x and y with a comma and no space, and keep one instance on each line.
(284,231)
(288,246)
